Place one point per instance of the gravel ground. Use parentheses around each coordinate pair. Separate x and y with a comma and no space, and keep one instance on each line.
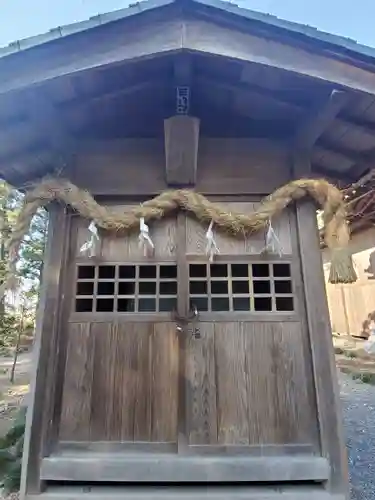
(359,417)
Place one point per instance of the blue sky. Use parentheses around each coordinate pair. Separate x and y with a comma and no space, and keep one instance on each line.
(354,19)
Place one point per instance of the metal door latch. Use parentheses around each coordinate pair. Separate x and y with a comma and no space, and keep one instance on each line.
(196,333)
(192,317)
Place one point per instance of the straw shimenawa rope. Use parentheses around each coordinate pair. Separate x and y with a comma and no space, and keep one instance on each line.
(327,196)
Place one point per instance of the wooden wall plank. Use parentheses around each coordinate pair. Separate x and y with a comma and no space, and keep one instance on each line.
(121,383)
(164,352)
(241,166)
(232,398)
(358,301)
(102,392)
(296,413)
(201,387)
(77,392)
(349,305)
(279,410)
(124,248)
(133,166)
(142,337)
(225,166)
(337,308)
(107,390)
(261,384)
(229,245)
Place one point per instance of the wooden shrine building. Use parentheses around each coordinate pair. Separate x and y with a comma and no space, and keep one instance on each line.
(168,375)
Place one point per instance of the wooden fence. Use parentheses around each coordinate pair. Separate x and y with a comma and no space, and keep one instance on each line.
(350,305)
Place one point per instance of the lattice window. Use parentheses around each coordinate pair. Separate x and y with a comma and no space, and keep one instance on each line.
(126,288)
(254,287)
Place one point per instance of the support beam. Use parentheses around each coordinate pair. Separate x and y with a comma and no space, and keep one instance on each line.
(39,413)
(363,165)
(251,89)
(181,150)
(320,335)
(181,131)
(319,119)
(279,101)
(331,175)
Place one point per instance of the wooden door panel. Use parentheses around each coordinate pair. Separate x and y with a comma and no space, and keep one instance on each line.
(121,373)
(77,391)
(232,398)
(120,383)
(246,385)
(279,409)
(201,388)
(164,390)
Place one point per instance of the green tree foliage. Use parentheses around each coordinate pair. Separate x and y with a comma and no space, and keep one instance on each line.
(10,203)
(31,254)
(11,319)
(11,447)
(30,264)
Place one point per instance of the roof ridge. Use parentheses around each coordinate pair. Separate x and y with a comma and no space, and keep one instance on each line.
(134,8)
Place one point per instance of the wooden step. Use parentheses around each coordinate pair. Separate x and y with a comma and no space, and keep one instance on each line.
(169,468)
(186,493)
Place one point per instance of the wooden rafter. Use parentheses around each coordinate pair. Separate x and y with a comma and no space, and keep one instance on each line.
(173,33)
(278,100)
(331,174)
(318,119)
(364,164)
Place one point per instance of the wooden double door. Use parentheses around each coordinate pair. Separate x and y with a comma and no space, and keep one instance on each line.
(172,359)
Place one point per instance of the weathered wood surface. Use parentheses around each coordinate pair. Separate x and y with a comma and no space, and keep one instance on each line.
(181,138)
(186,493)
(227,244)
(319,119)
(166,468)
(243,383)
(137,167)
(120,383)
(320,338)
(326,384)
(246,385)
(126,249)
(40,410)
(349,305)
(155,34)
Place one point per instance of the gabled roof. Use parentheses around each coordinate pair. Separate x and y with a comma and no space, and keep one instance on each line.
(251,75)
(346,45)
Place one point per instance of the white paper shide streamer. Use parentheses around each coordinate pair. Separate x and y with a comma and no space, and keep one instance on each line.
(211,248)
(273,244)
(89,248)
(145,241)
